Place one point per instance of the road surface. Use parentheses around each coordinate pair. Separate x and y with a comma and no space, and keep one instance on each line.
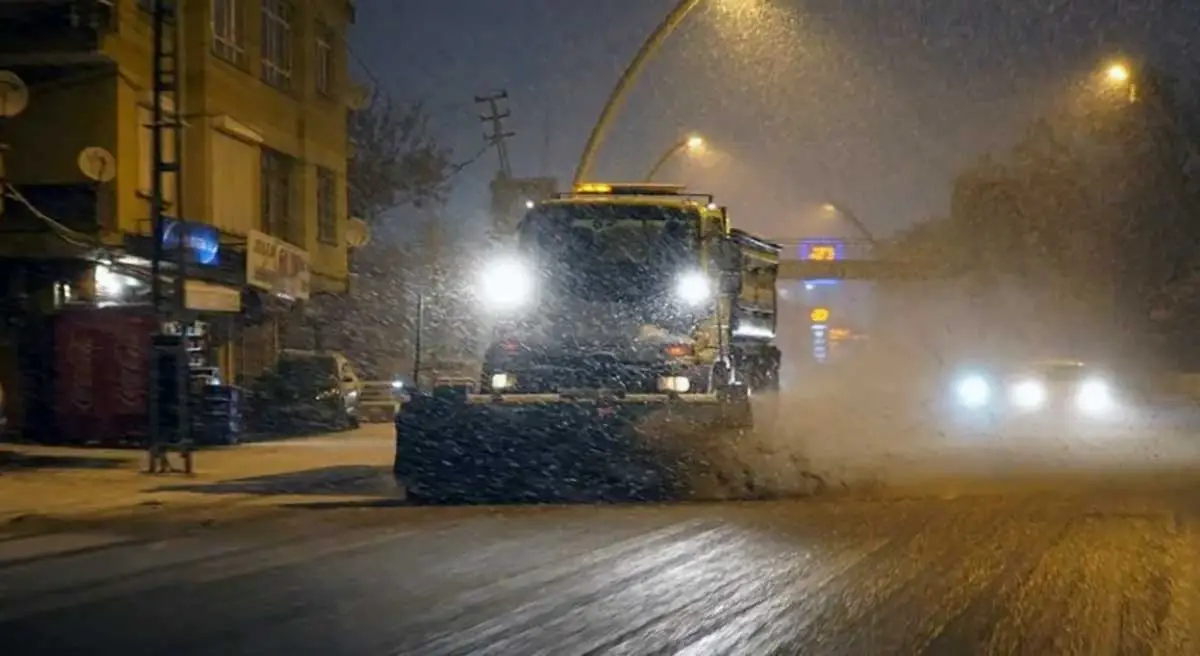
(1089,565)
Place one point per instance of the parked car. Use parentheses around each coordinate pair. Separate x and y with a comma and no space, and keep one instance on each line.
(309,389)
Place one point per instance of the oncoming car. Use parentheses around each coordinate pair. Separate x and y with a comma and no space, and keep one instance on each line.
(1058,389)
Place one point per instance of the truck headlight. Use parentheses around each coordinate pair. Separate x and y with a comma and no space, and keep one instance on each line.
(693,288)
(1094,397)
(506,284)
(1028,394)
(502,381)
(973,392)
(677,384)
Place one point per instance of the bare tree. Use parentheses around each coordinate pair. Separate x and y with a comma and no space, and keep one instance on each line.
(394,158)
(394,162)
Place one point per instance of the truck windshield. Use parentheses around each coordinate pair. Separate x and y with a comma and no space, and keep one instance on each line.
(611,251)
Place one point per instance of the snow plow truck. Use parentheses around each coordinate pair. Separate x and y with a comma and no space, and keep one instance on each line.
(632,325)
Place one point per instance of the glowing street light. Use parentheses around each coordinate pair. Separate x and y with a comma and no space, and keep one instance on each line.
(617,96)
(692,145)
(1119,76)
(1117,73)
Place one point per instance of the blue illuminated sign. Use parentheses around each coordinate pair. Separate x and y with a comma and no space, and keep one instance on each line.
(203,241)
(819,343)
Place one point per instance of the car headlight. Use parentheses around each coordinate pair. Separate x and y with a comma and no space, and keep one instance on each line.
(1028,394)
(1094,396)
(973,392)
(693,288)
(506,284)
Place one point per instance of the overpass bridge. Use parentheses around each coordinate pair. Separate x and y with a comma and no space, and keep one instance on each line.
(831,258)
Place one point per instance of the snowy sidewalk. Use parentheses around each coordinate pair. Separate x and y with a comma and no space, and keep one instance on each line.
(64,482)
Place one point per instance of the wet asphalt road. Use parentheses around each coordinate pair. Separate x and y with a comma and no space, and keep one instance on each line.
(1090,566)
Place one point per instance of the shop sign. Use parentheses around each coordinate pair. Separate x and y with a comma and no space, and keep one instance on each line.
(277,266)
(203,242)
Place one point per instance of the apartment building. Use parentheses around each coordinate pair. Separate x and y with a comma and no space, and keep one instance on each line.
(263,94)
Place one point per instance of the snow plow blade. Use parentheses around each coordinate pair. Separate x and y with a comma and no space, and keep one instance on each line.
(550,449)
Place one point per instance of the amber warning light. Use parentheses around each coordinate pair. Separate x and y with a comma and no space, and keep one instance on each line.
(679,350)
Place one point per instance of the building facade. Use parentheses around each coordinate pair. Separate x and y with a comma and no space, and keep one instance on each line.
(263,92)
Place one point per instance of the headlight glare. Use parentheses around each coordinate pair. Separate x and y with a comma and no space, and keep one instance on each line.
(693,288)
(1028,394)
(1094,396)
(506,284)
(973,391)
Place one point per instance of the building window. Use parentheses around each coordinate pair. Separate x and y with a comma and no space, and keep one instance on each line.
(228,30)
(323,66)
(276,176)
(277,43)
(326,206)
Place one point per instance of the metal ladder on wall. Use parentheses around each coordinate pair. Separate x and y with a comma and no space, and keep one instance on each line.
(167,128)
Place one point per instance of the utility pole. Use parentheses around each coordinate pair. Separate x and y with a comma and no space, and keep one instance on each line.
(166,79)
(417,339)
(495,119)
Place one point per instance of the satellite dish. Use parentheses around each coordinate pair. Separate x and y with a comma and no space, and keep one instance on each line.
(97,164)
(358,233)
(14,95)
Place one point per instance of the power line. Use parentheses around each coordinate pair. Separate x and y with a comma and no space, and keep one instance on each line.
(457,168)
(362,63)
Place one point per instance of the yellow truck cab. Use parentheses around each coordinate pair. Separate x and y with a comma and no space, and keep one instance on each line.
(615,267)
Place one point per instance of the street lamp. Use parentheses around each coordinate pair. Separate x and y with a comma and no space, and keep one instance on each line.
(692,144)
(617,96)
(1119,76)
(832,209)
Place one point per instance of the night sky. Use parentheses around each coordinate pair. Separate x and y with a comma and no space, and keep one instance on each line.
(871,103)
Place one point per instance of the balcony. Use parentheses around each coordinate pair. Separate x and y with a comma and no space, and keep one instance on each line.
(54,31)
